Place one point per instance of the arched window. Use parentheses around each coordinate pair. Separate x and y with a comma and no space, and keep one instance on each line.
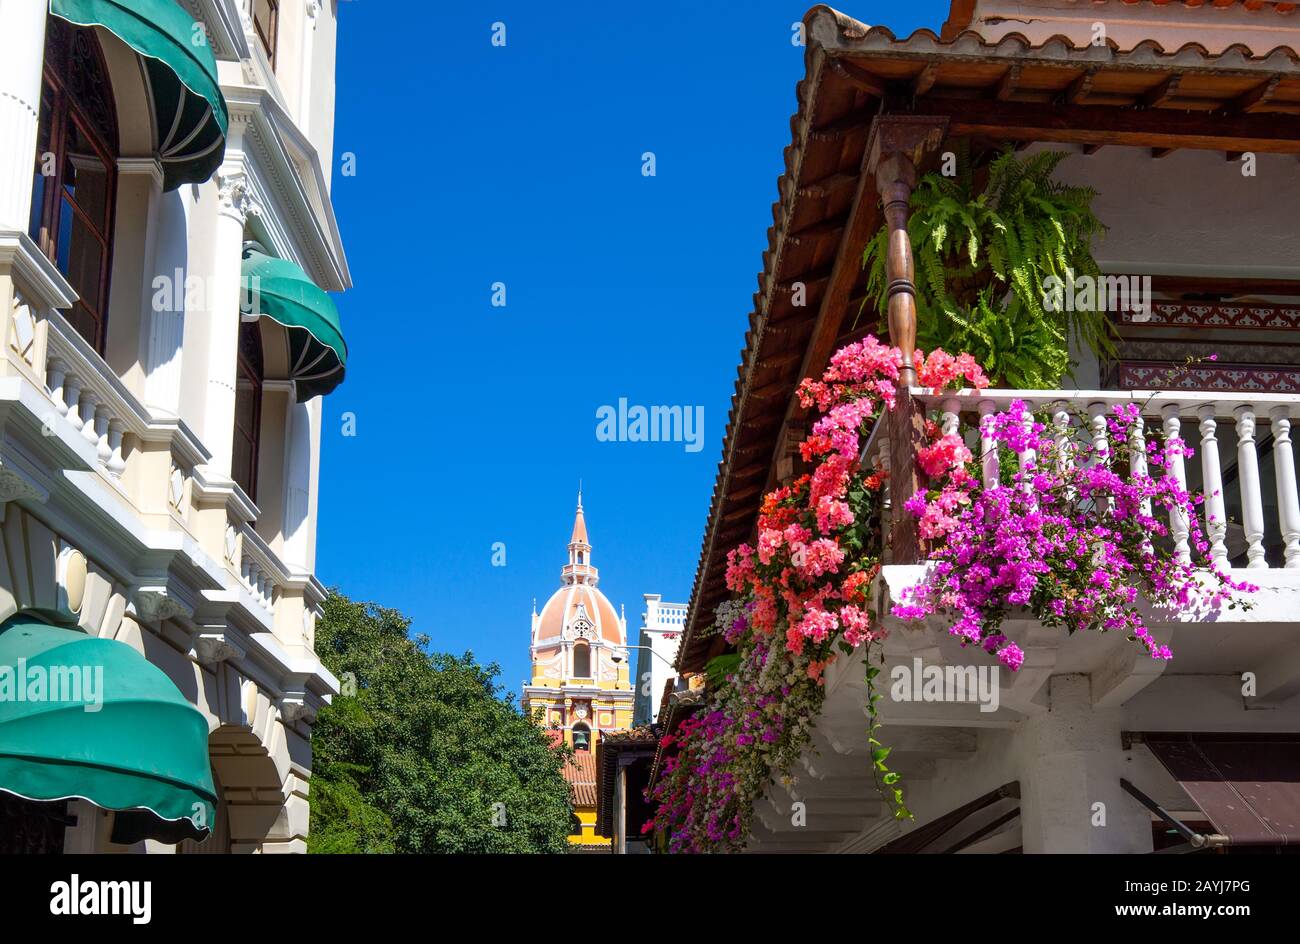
(248,408)
(581,737)
(76,172)
(575,825)
(582,661)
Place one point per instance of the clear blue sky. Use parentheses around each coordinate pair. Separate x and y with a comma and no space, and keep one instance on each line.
(522,164)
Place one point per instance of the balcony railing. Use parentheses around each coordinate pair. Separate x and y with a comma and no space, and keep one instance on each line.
(259,567)
(90,396)
(1243,464)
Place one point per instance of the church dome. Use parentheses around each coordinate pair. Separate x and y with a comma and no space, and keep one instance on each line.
(578,610)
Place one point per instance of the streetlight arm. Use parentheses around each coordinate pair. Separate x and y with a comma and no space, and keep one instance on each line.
(657,655)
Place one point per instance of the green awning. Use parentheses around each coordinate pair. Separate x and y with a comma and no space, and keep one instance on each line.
(85,717)
(279,290)
(190,117)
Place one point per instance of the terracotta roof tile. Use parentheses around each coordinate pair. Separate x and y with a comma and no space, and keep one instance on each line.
(581,773)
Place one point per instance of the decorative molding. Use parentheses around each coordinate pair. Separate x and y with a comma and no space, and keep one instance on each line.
(294,707)
(1218,315)
(16,485)
(235,197)
(154,604)
(1227,378)
(71,574)
(142,166)
(213,648)
(313,11)
(23,334)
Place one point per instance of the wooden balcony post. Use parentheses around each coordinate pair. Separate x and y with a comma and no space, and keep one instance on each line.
(896,179)
(897,145)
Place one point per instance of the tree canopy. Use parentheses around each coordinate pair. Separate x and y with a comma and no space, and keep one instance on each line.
(423,754)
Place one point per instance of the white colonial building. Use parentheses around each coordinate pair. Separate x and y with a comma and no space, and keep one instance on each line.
(166,245)
(661,630)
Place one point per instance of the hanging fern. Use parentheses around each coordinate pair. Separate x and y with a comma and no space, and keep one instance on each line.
(982,260)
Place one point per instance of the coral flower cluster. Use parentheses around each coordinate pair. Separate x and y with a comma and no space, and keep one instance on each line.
(801,602)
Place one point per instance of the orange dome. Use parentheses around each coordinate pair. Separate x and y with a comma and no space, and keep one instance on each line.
(579,611)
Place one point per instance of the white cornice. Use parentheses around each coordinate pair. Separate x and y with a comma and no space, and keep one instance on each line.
(281,155)
(286,172)
(37,275)
(225,27)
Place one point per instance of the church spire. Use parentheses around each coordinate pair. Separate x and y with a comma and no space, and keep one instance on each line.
(579,569)
(579,524)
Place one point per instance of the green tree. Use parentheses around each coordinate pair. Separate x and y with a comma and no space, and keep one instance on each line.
(426,756)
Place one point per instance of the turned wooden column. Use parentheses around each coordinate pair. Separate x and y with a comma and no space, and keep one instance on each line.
(895,181)
(897,145)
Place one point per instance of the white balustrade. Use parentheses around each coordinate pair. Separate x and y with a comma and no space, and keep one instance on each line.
(988,445)
(1216,517)
(1179,526)
(1252,501)
(1288,505)
(261,571)
(88,394)
(1169,411)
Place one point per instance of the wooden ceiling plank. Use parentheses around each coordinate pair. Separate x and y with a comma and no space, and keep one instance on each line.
(1096,124)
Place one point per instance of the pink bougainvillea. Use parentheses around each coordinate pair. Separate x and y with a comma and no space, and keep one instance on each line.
(1067,537)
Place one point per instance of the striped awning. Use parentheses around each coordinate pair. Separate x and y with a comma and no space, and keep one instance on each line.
(189,112)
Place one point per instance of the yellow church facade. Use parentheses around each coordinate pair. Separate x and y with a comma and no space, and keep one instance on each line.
(580,688)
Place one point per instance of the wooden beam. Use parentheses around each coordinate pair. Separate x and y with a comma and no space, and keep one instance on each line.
(1100,124)
(859,77)
(925,81)
(826,186)
(853,123)
(1161,92)
(1259,95)
(1008,83)
(1079,88)
(817,231)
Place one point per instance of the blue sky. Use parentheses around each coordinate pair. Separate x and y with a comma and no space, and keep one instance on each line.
(522,164)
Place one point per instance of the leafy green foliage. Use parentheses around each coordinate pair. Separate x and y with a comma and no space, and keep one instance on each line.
(983,260)
(718,668)
(419,758)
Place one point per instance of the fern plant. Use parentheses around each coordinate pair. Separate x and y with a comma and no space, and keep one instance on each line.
(982,263)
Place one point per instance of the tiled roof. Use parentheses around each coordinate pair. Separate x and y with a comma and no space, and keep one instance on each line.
(581,772)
